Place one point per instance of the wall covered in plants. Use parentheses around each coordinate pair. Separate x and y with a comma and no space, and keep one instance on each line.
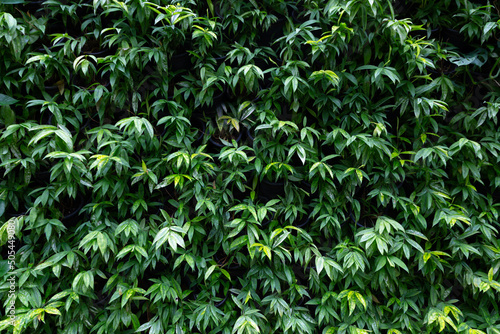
(250,166)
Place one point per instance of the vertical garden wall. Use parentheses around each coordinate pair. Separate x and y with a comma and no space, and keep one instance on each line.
(249,166)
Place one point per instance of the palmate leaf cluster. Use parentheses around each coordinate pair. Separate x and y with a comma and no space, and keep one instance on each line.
(250,166)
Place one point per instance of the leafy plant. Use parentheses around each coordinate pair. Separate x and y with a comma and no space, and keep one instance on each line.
(249,167)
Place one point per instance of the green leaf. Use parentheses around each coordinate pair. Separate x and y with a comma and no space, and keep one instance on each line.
(399,263)
(210,271)
(125,251)
(361,299)
(380,263)
(225,273)
(52,310)
(7,100)
(319,264)
(7,115)
(102,242)
(4,267)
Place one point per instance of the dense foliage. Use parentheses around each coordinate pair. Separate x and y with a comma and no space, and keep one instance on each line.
(250,166)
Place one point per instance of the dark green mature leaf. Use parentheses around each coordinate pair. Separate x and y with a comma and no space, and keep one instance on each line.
(7,100)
